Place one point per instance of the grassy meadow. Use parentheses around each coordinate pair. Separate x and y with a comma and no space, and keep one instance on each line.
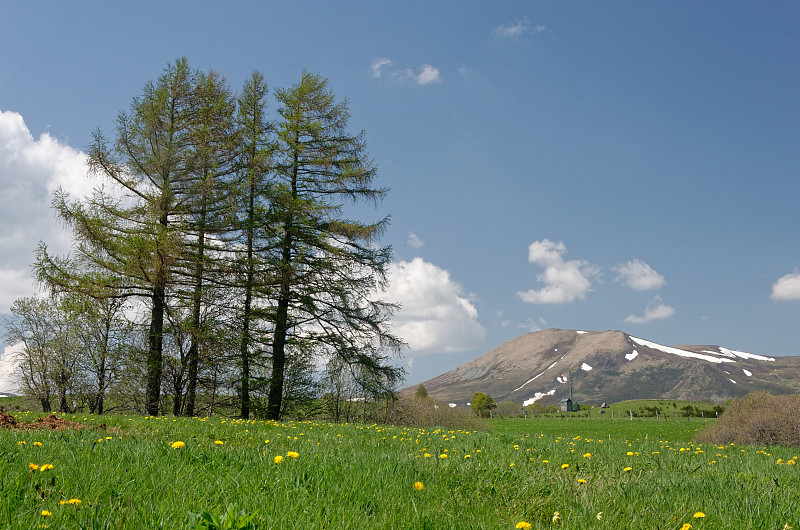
(164,472)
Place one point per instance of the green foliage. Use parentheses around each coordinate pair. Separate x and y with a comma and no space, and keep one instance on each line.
(229,520)
(482,404)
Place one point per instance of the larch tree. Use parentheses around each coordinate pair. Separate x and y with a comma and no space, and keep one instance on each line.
(328,268)
(133,238)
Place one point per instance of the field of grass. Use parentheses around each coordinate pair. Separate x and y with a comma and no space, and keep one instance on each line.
(577,473)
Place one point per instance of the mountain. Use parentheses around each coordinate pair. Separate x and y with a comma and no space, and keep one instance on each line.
(612,366)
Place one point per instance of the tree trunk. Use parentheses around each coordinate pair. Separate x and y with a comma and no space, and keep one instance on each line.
(155,349)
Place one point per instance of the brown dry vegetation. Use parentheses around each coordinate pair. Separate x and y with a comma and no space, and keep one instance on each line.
(425,412)
(52,423)
(758,418)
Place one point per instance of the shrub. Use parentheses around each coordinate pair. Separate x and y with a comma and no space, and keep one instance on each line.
(412,412)
(758,418)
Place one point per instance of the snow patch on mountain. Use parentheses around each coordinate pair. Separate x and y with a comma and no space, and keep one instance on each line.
(682,353)
(585,367)
(537,396)
(745,355)
(632,355)
(748,373)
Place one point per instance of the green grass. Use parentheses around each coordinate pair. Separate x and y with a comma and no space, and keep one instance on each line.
(362,476)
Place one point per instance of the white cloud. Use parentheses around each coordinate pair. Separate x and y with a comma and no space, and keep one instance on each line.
(435,315)
(377,64)
(414,241)
(655,310)
(30,170)
(787,287)
(564,281)
(513,31)
(638,275)
(427,74)
(9,382)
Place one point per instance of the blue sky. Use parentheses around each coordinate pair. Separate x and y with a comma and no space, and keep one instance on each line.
(580,165)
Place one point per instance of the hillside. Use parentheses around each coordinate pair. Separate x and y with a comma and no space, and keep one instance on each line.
(611,366)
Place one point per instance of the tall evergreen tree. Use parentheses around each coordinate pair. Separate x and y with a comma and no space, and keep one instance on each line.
(328,267)
(134,238)
(255,154)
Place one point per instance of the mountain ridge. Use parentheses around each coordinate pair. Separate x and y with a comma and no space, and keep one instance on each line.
(611,366)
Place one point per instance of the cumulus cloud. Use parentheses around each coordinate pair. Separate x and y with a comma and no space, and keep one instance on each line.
(9,381)
(30,170)
(787,287)
(515,30)
(655,310)
(435,315)
(414,241)
(565,281)
(427,74)
(638,275)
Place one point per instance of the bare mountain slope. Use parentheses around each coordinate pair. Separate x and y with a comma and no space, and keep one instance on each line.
(612,366)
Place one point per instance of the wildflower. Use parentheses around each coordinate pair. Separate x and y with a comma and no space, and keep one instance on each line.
(33,466)
(599,516)
(292,454)
(524,525)
(23,442)
(467,456)
(556,517)
(219,442)
(698,515)
(419,486)
(71,501)
(442,455)
(177,445)
(427,455)
(545,461)
(581,481)
(564,466)
(686,526)
(587,455)
(630,453)
(45,513)
(278,459)
(45,467)
(37,444)
(628,469)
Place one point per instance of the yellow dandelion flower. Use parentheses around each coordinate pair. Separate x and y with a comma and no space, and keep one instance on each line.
(581,481)
(427,455)
(292,454)
(37,444)
(278,459)
(630,453)
(419,486)
(45,513)
(524,525)
(71,501)
(45,467)
(628,469)
(564,466)
(686,526)
(177,445)
(698,515)
(545,461)
(587,455)
(442,455)
(219,442)
(33,466)
(23,442)
(556,517)
(467,456)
